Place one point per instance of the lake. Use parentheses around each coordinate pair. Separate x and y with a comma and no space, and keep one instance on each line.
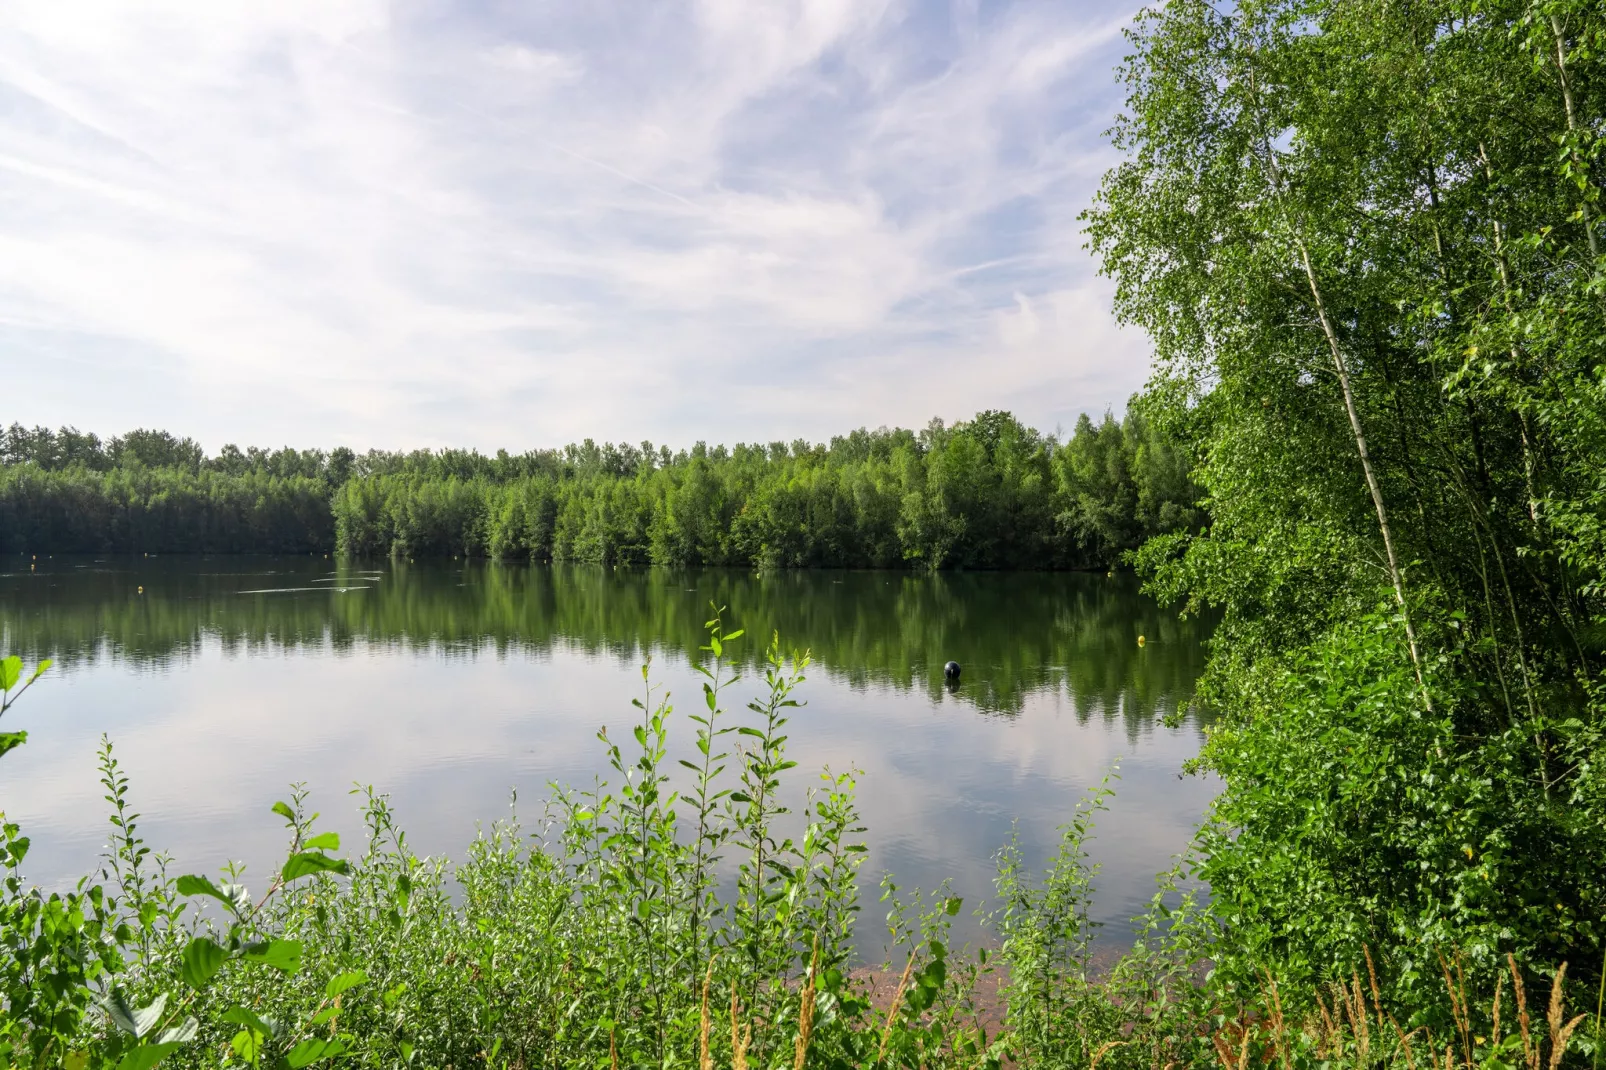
(223,680)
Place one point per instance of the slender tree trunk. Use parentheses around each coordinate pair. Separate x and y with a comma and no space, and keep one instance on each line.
(1342,367)
(1572,127)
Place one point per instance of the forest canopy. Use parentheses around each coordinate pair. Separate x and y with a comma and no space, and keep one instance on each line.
(984,493)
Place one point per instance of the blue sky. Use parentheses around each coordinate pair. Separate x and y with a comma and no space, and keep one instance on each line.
(516,224)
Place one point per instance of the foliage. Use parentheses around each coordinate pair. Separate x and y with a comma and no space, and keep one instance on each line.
(1364,239)
(160,510)
(988,493)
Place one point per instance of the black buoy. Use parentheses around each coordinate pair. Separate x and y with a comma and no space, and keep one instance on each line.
(951,670)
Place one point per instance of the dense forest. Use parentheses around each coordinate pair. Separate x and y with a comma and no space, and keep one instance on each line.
(983,493)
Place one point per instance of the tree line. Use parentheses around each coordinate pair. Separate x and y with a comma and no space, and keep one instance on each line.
(983,493)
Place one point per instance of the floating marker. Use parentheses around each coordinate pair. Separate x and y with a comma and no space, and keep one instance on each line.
(951,670)
(1140,640)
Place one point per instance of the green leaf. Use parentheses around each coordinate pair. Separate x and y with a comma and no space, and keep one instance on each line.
(247,1044)
(202,960)
(324,841)
(313,1050)
(234,896)
(182,1033)
(237,896)
(10,741)
(39,669)
(135,1022)
(304,863)
(10,672)
(282,955)
(245,1017)
(284,811)
(191,884)
(341,982)
(147,1055)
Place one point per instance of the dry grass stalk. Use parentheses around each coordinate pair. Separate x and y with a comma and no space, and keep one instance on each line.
(1224,1048)
(1105,1048)
(741,1036)
(1377,995)
(1529,1051)
(1386,1016)
(805,1010)
(1278,1023)
(1405,1044)
(1560,1033)
(613,1052)
(892,1011)
(705,1055)
(1499,990)
(1329,1041)
(1363,1030)
(1344,1022)
(1458,1007)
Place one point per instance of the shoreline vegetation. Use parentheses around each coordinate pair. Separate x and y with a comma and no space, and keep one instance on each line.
(985,493)
(1366,242)
(634,924)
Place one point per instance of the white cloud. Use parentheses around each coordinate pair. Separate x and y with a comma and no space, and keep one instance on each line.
(388,224)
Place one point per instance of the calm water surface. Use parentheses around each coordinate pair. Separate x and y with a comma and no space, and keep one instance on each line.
(450,686)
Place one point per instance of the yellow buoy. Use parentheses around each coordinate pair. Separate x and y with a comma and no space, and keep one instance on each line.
(1140,640)
(142,590)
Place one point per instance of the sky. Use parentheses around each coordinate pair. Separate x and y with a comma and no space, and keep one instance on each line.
(518,223)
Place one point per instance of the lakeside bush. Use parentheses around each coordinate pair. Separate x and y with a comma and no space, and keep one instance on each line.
(1366,241)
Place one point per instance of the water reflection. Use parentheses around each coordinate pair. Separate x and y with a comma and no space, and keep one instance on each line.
(447,685)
